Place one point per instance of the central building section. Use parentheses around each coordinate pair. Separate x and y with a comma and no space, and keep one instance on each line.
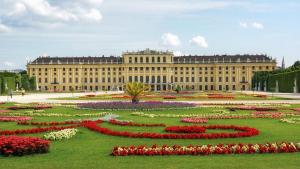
(154,68)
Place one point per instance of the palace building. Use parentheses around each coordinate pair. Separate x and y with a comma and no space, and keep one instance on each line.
(160,69)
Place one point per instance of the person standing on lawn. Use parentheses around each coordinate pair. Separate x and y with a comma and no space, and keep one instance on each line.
(10,93)
(23,92)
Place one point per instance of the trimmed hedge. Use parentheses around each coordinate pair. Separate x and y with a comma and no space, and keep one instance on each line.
(12,79)
(285,80)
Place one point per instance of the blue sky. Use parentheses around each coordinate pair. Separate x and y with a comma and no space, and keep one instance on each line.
(30,28)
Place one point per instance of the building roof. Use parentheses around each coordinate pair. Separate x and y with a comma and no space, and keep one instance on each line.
(77,60)
(222,58)
(148,52)
(177,59)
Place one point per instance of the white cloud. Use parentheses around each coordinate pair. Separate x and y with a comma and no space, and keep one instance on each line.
(9,64)
(93,2)
(4,28)
(93,15)
(257,25)
(170,39)
(170,6)
(49,12)
(19,8)
(254,25)
(244,24)
(199,41)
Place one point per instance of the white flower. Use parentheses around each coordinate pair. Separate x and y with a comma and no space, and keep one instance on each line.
(60,135)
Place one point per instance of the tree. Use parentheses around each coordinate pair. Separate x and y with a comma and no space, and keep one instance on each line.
(177,89)
(297,63)
(135,89)
(2,85)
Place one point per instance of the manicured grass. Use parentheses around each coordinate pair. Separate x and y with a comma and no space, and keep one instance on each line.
(91,150)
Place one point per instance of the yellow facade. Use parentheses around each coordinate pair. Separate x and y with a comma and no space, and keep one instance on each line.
(161,70)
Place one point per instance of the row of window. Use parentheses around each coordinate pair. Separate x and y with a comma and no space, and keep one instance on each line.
(153,87)
(91,88)
(153,69)
(146,79)
(147,59)
(85,69)
(206,79)
(154,79)
(86,80)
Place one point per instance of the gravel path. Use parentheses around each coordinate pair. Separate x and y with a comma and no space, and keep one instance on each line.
(49,98)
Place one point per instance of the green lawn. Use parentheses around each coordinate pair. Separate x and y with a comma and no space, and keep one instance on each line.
(91,150)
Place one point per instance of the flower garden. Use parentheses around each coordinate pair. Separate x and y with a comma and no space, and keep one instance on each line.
(182,96)
(150,134)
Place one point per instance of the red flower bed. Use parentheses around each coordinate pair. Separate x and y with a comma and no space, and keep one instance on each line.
(261,96)
(296,109)
(19,146)
(242,132)
(38,107)
(185,129)
(90,95)
(4,111)
(120,123)
(253,108)
(267,114)
(194,120)
(220,97)
(14,118)
(169,97)
(34,130)
(47,123)
(122,97)
(207,149)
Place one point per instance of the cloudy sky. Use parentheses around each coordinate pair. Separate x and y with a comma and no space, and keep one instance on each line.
(30,28)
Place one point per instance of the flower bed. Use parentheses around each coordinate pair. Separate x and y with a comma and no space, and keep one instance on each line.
(207,116)
(242,132)
(253,108)
(271,114)
(207,149)
(14,118)
(296,109)
(38,107)
(186,129)
(291,120)
(58,115)
(48,123)
(124,123)
(34,130)
(19,146)
(169,97)
(61,135)
(139,106)
(4,111)
(88,96)
(220,97)
(194,120)
(121,97)
(260,96)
